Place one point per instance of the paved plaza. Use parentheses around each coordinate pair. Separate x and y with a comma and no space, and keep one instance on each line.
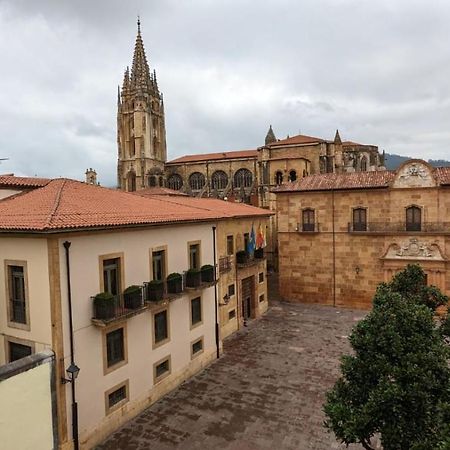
(265,392)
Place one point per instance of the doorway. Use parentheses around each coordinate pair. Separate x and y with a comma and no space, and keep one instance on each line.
(248,297)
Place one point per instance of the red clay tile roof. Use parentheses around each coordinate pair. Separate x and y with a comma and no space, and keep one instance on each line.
(10,181)
(157,190)
(65,204)
(215,156)
(328,181)
(299,139)
(355,180)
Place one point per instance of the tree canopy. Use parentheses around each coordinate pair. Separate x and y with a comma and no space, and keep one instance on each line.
(396,384)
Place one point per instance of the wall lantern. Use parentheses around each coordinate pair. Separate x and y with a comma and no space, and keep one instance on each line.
(357,270)
(72,373)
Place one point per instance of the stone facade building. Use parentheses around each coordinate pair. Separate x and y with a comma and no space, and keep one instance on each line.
(244,175)
(341,234)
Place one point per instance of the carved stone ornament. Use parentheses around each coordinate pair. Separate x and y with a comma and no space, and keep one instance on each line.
(414,174)
(415,249)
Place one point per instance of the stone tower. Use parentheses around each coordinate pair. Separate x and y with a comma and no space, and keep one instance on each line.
(141,132)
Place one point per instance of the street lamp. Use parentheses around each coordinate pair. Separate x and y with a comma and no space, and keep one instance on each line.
(72,373)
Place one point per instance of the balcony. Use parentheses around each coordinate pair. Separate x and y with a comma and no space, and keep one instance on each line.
(399,227)
(244,259)
(225,264)
(308,227)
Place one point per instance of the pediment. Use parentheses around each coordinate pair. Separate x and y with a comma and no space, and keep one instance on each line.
(415,249)
(413,174)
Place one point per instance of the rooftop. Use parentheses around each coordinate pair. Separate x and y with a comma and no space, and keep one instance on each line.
(215,156)
(64,204)
(11,181)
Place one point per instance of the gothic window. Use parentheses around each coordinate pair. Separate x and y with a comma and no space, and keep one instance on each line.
(152,181)
(219,179)
(132,147)
(413,218)
(308,219)
(359,219)
(292,175)
(363,164)
(131,182)
(278,178)
(197,181)
(175,182)
(243,178)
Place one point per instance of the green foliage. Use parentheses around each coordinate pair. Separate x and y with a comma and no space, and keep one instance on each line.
(174,276)
(397,382)
(103,297)
(207,267)
(193,271)
(155,283)
(132,289)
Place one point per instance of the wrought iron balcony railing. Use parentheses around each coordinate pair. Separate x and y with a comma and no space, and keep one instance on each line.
(308,227)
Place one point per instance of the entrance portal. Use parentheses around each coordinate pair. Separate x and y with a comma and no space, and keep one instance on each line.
(248,297)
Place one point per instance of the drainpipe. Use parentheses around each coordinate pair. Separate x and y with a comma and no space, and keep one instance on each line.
(334,247)
(215,292)
(72,361)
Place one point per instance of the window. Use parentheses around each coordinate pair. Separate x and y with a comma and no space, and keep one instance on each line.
(18,351)
(308,220)
(261,277)
(246,241)
(292,175)
(116,397)
(161,329)
(261,298)
(159,265)
(278,178)
(115,347)
(196,311)
(219,180)
(359,219)
(413,218)
(161,369)
(175,182)
(197,347)
(131,181)
(194,256)
(197,181)
(111,275)
(17,294)
(363,164)
(152,181)
(231,314)
(231,290)
(230,245)
(243,178)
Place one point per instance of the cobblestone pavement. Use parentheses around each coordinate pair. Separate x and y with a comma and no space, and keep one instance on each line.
(266,392)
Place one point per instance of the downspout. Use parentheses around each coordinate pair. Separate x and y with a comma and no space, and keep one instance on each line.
(215,292)
(334,246)
(72,362)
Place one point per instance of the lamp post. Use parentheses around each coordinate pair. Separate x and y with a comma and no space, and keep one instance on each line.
(72,373)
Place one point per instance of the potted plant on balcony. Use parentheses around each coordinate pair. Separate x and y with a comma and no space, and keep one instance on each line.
(174,283)
(193,278)
(259,253)
(155,290)
(207,272)
(132,297)
(104,306)
(241,257)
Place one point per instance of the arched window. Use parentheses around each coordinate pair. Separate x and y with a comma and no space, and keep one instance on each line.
(308,219)
(175,182)
(363,164)
(243,178)
(278,177)
(359,219)
(197,181)
(292,175)
(413,218)
(152,181)
(131,182)
(219,180)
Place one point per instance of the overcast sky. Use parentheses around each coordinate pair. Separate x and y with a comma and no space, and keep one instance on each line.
(377,70)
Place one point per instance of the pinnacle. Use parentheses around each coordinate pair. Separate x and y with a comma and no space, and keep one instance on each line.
(270,136)
(337,138)
(140,71)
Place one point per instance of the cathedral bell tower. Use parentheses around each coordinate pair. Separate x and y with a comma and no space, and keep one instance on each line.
(141,132)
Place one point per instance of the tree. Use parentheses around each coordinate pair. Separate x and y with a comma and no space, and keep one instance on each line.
(397,382)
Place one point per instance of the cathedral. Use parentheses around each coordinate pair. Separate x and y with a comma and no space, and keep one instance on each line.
(247,175)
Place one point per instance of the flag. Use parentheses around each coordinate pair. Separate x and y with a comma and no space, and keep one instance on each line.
(260,238)
(251,242)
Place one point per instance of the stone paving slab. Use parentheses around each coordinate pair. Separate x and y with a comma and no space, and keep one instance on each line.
(265,392)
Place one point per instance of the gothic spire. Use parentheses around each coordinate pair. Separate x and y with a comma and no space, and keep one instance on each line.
(270,136)
(140,71)
(337,138)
